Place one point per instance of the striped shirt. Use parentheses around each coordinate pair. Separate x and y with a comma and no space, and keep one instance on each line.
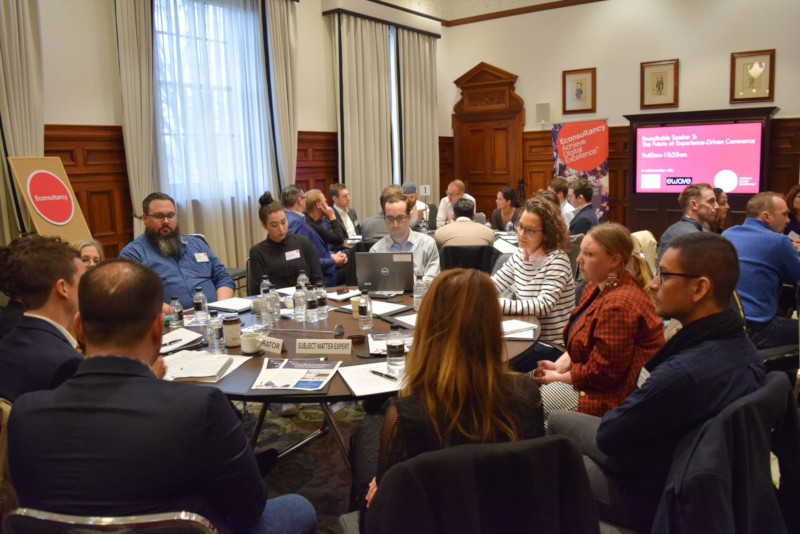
(545,290)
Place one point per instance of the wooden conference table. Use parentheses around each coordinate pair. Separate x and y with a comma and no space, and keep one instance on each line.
(237,385)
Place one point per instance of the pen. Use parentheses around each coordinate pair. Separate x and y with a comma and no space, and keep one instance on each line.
(383,375)
(170,342)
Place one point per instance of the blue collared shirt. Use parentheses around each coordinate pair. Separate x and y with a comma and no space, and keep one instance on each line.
(197,267)
(423,252)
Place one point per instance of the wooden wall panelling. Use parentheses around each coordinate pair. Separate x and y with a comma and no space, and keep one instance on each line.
(94,158)
(446,166)
(317,160)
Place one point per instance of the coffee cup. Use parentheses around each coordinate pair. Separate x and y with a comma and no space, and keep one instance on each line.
(251,343)
(354,302)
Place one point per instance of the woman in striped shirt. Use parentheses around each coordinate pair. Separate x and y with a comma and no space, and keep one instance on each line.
(542,277)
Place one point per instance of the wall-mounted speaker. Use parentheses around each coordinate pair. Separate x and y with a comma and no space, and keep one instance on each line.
(543,112)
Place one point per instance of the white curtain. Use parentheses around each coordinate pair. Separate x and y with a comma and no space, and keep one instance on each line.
(363,97)
(417,70)
(135,49)
(281,22)
(212,116)
(21,108)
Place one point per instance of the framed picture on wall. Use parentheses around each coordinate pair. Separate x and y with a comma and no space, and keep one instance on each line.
(753,76)
(658,84)
(578,91)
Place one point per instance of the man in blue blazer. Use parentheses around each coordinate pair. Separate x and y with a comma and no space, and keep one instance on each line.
(39,352)
(115,440)
(580,196)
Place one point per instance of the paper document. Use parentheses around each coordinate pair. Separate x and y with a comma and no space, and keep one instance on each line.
(199,366)
(235,304)
(504,246)
(409,321)
(310,375)
(377,342)
(516,329)
(288,291)
(341,297)
(362,381)
(380,307)
(177,339)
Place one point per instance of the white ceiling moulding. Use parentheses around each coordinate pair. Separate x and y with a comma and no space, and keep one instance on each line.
(383,13)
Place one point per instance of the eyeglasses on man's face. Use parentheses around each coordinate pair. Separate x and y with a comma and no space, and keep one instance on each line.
(400,219)
(661,274)
(161,216)
(527,230)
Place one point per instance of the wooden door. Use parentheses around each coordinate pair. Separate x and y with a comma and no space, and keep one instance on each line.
(487,134)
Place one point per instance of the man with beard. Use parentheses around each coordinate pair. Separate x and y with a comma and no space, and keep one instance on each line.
(183,262)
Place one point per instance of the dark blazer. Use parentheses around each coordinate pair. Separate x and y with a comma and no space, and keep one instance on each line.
(115,440)
(583,221)
(353,217)
(34,355)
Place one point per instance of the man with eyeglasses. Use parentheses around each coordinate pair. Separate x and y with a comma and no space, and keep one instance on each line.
(183,262)
(455,192)
(702,369)
(464,232)
(767,259)
(699,205)
(397,213)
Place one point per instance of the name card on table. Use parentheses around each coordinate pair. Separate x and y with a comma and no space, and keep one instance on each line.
(324,346)
(272,345)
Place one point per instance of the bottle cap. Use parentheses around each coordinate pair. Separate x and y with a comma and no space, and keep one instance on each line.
(213,313)
(198,289)
(174,297)
(394,327)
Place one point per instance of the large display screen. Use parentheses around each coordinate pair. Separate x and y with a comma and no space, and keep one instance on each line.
(728,156)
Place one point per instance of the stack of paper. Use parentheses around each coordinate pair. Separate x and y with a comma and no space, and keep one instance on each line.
(515,329)
(381,308)
(199,366)
(362,381)
(235,304)
(179,338)
(309,375)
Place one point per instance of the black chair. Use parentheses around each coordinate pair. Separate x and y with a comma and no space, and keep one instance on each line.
(479,257)
(433,210)
(536,485)
(351,278)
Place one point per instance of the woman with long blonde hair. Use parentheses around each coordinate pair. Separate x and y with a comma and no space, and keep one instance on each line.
(458,388)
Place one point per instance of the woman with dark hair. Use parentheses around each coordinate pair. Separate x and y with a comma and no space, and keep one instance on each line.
(282,255)
(541,273)
(793,202)
(723,208)
(612,333)
(458,388)
(508,210)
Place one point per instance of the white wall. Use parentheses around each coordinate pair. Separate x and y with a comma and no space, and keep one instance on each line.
(79,60)
(615,36)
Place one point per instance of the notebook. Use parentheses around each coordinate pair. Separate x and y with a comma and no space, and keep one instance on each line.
(385,271)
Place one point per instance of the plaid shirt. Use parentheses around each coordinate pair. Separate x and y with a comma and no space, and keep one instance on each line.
(610,336)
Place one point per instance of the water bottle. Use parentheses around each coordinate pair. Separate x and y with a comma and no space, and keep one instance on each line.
(274,305)
(264,285)
(216,344)
(302,280)
(419,292)
(322,301)
(510,227)
(177,313)
(200,306)
(312,307)
(299,299)
(423,225)
(365,311)
(395,352)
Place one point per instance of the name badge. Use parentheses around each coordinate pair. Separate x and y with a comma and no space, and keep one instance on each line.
(201,257)
(644,374)
(272,345)
(324,346)
(293,255)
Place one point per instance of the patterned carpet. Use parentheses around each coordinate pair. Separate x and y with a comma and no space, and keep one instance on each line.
(316,471)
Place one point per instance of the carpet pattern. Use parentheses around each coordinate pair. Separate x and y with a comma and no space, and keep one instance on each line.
(316,471)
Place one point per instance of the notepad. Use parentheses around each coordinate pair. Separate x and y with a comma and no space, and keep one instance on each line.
(196,366)
(178,339)
(235,304)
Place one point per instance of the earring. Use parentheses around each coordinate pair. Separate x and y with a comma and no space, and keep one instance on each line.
(612,279)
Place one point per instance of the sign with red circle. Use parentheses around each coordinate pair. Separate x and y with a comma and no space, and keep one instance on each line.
(50,197)
(583,146)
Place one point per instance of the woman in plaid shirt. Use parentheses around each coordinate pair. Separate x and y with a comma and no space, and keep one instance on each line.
(611,334)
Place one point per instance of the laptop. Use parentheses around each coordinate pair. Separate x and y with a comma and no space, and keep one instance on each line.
(385,271)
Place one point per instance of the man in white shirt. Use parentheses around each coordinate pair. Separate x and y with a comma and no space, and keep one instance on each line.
(340,197)
(560,187)
(455,192)
(397,211)
(464,232)
(421,211)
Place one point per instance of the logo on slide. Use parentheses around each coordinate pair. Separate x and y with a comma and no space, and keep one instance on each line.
(50,197)
(726,180)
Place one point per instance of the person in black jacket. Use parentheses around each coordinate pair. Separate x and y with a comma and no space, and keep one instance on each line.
(322,218)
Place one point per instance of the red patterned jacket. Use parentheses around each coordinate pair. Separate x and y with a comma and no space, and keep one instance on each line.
(611,334)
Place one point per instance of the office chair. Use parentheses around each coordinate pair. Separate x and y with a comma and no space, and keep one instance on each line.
(30,521)
(8,497)
(236,274)
(481,257)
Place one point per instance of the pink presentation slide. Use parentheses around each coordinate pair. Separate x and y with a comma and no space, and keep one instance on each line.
(727,156)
